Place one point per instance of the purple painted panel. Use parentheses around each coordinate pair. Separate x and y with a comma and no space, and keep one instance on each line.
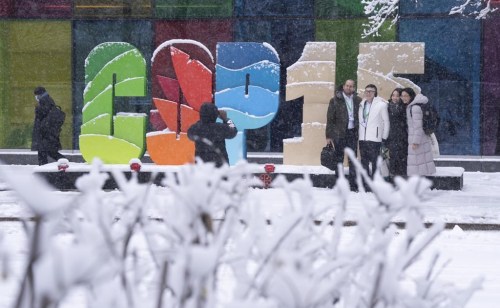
(42,9)
(491,86)
(6,8)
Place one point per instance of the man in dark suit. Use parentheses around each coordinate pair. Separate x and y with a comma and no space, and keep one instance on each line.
(342,124)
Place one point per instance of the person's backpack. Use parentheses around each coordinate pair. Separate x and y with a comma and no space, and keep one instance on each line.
(430,120)
(58,118)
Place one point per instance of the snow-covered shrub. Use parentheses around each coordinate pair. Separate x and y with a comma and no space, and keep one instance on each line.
(205,240)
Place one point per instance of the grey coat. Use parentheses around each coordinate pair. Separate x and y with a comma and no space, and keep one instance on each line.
(420,160)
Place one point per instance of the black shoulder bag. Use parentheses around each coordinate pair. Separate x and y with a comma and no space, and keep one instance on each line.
(328,157)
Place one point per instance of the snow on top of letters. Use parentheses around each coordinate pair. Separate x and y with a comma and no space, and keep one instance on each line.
(180,41)
(272,49)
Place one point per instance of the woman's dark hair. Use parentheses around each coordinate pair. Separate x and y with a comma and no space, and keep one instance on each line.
(410,92)
(373,87)
(399,90)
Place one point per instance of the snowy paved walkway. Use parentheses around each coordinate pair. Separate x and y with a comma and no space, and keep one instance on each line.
(477,203)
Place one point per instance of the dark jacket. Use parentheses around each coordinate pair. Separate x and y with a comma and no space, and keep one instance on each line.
(45,135)
(398,134)
(397,142)
(337,117)
(210,137)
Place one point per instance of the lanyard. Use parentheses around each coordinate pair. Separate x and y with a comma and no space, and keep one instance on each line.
(366,111)
(349,104)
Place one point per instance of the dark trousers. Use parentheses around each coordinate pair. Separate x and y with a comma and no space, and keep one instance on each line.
(43,156)
(369,151)
(398,160)
(350,141)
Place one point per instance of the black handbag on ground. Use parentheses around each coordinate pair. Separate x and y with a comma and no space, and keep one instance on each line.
(328,157)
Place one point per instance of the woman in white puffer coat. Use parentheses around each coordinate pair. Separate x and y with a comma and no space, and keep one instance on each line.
(420,158)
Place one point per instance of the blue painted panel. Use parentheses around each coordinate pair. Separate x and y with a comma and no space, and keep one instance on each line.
(451,79)
(412,7)
(288,37)
(263,74)
(297,8)
(258,102)
(240,55)
(248,89)
(236,148)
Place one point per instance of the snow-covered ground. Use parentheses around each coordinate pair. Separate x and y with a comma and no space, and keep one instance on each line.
(471,253)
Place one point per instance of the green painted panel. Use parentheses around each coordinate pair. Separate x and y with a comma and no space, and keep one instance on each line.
(99,105)
(4,62)
(179,9)
(97,59)
(130,64)
(108,149)
(338,8)
(33,53)
(131,87)
(118,66)
(131,127)
(347,34)
(101,125)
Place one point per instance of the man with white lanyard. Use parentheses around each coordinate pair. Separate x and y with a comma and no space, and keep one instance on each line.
(342,125)
(373,127)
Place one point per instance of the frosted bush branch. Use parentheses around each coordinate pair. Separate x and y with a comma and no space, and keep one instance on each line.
(476,7)
(167,247)
(380,11)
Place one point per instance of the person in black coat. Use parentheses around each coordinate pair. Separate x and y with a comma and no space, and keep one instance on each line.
(46,129)
(397,142)
(210,137)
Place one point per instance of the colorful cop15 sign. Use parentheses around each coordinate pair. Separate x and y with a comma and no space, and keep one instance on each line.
(247,87)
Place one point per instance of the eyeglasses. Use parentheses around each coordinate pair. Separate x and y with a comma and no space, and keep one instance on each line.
(370,91)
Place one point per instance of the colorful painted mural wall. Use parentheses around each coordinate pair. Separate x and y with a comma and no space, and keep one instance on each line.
(47,42)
